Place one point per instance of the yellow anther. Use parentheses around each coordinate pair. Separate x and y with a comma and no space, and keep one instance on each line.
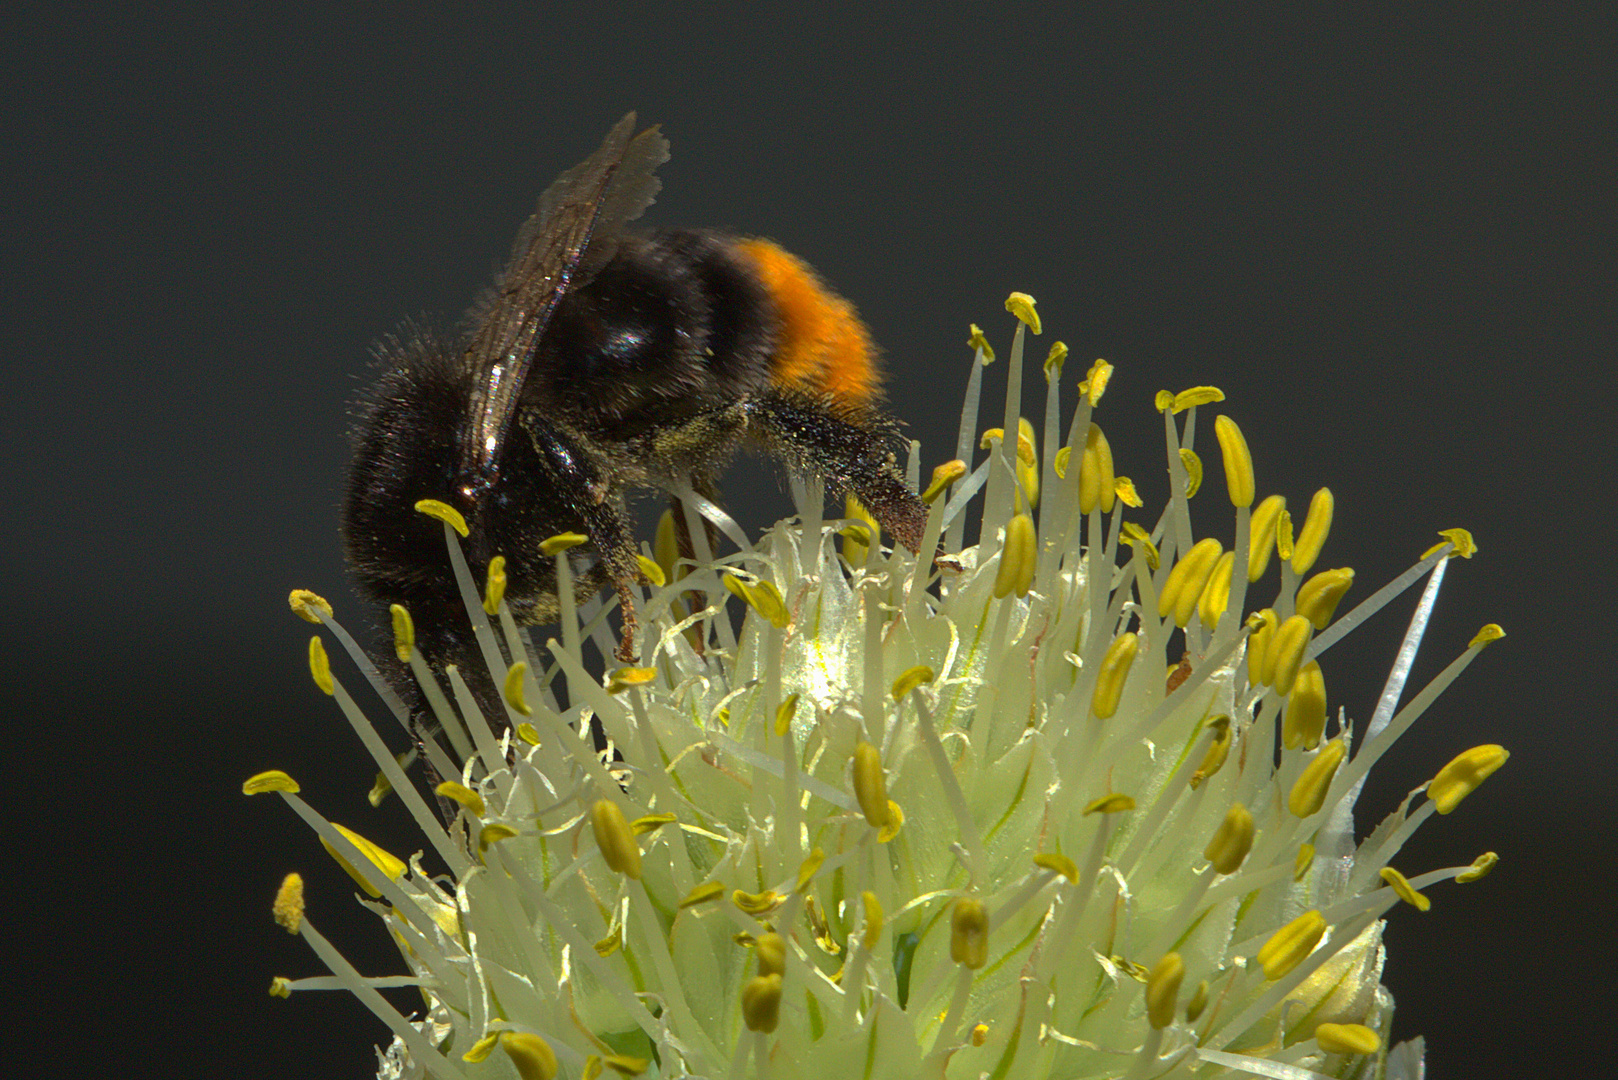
(1197,395)
(761,1003)
(1462,776)
(1095,381)
(858,538)
(288,906)
(528,733)
(1465,546)
(1163,990)
(1406,892)
(281,987)
(1193,471)
(771,950)
(1060,460)
(1347,1039)
(1263,625)
(1215,596)
(459,793)
(614,838)
(1480,868)
(494,588)
(969,932)
(1231,841)
(1139,539)
(1021,305)
(980,1034)
(1198,1002)
(390,865)
(1115,665)
(1109,804)
(1218,750)
(626,678)
(1026,453)
(1027,463)
(309,606)
(1316,527)
(1238,461)
(910,679)
(666,546)
(819,927)
(1283,536)
(381,786)
(624,1065)
(404,632)
(870,785)
(273,780)
(530,1055)
(1054,360)
(492,834)
(320,666)
(873,920)
(1302,861)
(555,545)
(651,571)
(1163,400)
(1097,482)
(481,1049)
(896,820)
(444,512)
(809,868)
(1305,720)
(651,823)
(943,476)
(1490,633)
(1124,488)
(1285,655)
(709,890)
(1017,559)
(784,713)
(977,340)
(1289,946)
(592,1068)
(1187,580)
(512,690)
(1261,535)
(1319,596)
(757,904)
(1058,863)
(1309,791)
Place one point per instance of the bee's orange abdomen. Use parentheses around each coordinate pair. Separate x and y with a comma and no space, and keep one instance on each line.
(823,347)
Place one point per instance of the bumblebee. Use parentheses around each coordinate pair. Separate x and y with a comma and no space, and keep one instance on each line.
(604,361)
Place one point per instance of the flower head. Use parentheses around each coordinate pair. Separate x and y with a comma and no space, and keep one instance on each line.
(1068,802)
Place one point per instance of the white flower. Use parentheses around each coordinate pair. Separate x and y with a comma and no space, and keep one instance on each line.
(1015,815)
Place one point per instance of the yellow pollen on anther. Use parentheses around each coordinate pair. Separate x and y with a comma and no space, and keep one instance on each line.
(468,799)
(978,341)
(1261,535)
(480,1050)
(870,785)
(1198,1002)
(809,868)
(404,632)
(1059,863)
(1465,546)
(1347,1039)
(771,950)
(390,865)
(1116,803)
(969,932)
(614,838)
(555,545)
(1316,527)
(651,571)
(1018,559)
(624,1065)
(1114,671)
(784,714)
(980,1034)
(943,476)
(1231,841)
(1263,624)
(1406,892)
(761,1003)
(1290,945)
(756,904)
(873,920)
(626,678)
(1187,580)
(1238,461)
(1218,750)
(320,666)
(858,537)
(1124,488)
(1462,776)
(1027,463)
(309,606)
(288,906)
(1138,538)
(1054,361)
(1309,792)
(910,679)
(1163,990)
(281,987)
(1302,861)
(528,733)
(1283,535)
(1021,305)
(1216,592)
(1196,395)
(494,833)
(1095,381)
(1490,633)
(1284,657)
(1319,596)
(703,893)
(1480,868)
(272,780)
(1305,720)
(1096,477)
(1193,471)
(443,511)
(512,691)
(494,589)
(530,1055)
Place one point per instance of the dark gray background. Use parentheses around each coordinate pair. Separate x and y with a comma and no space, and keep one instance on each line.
(1388,237)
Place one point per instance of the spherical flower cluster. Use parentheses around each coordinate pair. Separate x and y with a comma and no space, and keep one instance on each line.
(1069,802)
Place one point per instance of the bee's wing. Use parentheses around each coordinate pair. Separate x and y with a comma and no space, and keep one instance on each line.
(566,240)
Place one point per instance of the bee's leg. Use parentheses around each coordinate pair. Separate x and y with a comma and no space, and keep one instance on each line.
(852,454)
